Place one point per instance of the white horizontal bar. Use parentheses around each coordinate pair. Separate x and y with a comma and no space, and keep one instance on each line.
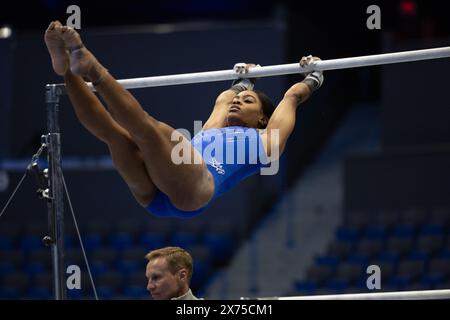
(284,69)
(400,295)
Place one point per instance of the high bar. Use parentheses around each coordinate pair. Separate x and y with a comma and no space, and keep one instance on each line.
(284,69)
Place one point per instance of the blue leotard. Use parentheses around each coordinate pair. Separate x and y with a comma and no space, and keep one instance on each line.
(231,154)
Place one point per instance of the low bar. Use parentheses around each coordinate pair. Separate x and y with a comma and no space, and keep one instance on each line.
(399,295)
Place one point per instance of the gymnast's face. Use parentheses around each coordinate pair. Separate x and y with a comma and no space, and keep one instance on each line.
(162,283)
(246,110)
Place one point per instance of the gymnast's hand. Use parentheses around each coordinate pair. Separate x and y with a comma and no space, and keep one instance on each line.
(307,60)
(242,68)
(313,79)
(242,84)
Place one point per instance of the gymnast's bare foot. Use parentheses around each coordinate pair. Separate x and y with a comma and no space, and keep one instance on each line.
(82,61)
(56,48)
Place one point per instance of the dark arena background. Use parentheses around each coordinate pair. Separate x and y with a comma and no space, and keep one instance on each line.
(364,180)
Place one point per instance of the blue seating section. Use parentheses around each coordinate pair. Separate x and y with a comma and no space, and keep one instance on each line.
(413,254)
(116,256)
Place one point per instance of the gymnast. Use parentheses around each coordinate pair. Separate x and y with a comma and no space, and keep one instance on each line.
(142,148)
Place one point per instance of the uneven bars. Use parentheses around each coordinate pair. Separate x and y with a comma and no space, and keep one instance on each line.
(284,69)
(399,295)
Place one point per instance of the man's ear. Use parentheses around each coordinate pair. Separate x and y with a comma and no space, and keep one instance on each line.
(182,274)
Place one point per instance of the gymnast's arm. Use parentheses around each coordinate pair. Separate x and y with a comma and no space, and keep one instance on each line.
(283,118)
(218,117)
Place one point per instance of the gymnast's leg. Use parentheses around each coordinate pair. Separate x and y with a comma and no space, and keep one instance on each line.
(126,155)
(189,186)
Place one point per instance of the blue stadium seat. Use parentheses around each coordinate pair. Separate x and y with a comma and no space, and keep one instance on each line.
(305,287)
(70,242)
(200,273)
(419,255)
(220,246)
(337,285)
(9,294)
(327,261)
(98,267)
(29,243)
(432,280)
(15,257)
(5,243)
(105,293)
(11,232)
(183,240)
(39,293)
(92,241)
(388,257)
(121,241)
(6,268)
(152,241)
(344,233)
(74,294)
(431,229)
(399,282)
(126,267)
(358,259)
(136,292)
(403,231)
(34,268)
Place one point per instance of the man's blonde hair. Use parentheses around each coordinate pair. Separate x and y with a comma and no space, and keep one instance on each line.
(176,257)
